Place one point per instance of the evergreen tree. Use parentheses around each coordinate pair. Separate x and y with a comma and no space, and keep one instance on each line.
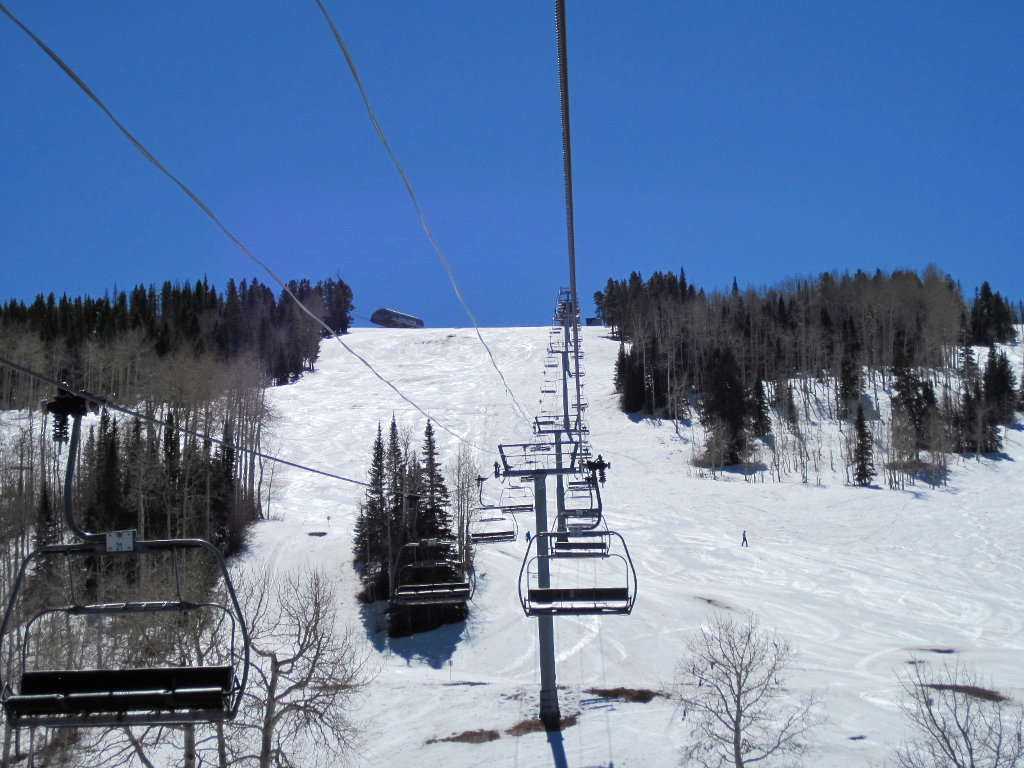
(991,318)
(761,424)
(395,487)
(850,386)
(337,298)
(228,519)
(433,518)
(49,522)
(916,400)
(999,387)
(724,407)
(629,380)
(977,431)
(863,463)
(369,546)
(105,509)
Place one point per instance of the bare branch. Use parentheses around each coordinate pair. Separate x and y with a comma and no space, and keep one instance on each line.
(731,683)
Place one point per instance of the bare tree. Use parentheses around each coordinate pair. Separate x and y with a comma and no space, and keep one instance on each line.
(957,722)
(732,690)
(462,483)
(306,674)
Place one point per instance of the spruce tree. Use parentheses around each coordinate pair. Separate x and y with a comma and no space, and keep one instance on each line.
(395,487)
(369,546)
(761,424)
(49,524)
(916,399)
(629,380)
(999,387)
(724,407)
(433,519)
(863,463)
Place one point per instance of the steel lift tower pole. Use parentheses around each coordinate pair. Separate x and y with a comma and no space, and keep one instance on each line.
(549,711)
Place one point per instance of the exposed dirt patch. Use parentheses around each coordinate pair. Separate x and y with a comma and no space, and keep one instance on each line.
(481,736)
(630,695)
(936,650)
(318,533)
(974,691)
(536,726)
(466,682)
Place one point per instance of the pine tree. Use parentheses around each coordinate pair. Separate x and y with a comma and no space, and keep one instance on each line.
(999,387)
(48,522)
(850,386)
(916,400)
(977,431)
(395,487)
(433,519)
(369,546)
(863,463)
(725,411)
(761,425)
(629,380)
(105,509)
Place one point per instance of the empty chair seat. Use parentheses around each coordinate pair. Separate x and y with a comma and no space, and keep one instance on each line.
(579,600)
(116,696)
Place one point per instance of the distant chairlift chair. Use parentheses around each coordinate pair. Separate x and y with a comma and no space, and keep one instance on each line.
(491,528)
(426,574)
(583,506)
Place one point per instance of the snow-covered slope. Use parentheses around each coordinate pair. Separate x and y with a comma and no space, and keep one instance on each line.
(858,580)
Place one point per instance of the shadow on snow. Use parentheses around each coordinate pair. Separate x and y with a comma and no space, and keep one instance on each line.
(435,647)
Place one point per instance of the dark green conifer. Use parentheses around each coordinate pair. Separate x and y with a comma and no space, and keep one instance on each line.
(863,461)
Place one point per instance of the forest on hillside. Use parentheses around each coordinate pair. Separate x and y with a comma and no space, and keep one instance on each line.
(734,358)
(122,343)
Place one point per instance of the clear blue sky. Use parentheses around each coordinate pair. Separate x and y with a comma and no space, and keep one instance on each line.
(748,139)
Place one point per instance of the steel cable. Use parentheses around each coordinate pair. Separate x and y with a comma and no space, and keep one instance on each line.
(195,198)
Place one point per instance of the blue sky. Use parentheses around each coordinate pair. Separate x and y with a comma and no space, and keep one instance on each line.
(747,139)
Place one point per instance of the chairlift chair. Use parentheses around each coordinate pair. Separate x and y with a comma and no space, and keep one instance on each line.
(549,580)
(86,653)
(548,422)
(515,499)
(495,528)
(582,503)
(577,541)
(426,574)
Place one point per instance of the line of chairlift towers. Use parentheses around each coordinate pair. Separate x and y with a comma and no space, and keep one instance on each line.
(575,566)
(87,622)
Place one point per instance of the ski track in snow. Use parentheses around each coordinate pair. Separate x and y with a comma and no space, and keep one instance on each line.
(860,581)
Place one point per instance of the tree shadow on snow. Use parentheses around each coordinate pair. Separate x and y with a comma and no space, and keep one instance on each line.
(997,456)
(375,622)
(639,417)
(745,470)
(435,647)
